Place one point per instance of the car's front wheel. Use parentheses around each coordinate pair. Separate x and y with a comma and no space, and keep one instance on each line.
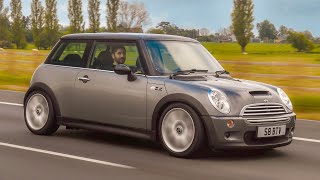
(39,114)
(181,130)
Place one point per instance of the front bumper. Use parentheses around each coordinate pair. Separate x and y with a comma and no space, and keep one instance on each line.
(243,134)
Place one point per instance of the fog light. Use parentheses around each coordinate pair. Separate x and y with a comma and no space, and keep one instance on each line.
(230,123)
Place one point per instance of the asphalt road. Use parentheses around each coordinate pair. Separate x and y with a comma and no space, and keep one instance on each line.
(79,154)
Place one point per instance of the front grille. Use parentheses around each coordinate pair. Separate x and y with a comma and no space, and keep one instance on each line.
(266,109)
(263,114)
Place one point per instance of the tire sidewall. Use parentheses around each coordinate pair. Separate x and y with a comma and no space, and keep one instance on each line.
(198,136)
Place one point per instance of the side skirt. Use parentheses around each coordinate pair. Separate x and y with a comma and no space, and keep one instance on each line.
(87,125)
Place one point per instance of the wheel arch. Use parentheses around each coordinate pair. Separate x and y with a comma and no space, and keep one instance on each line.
(46,89)
(176,98)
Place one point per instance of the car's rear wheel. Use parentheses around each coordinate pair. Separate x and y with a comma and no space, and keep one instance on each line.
(39,114)
(181,130)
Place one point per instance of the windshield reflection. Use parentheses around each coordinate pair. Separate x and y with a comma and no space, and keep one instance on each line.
(172,56)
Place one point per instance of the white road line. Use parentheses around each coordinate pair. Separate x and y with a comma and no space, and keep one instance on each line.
(66,156)
(310,120)
(12,91)
(11,104)
(307,140)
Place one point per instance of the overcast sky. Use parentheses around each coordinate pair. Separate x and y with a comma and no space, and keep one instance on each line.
(213,14)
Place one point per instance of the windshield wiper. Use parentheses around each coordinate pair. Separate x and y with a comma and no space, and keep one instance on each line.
(186,72)
(218,73)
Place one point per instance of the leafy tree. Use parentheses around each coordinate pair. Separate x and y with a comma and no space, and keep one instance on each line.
(94,15)
(112,14)
(242,22)
(75,16)
(300,41)
(191,33)
(17,24)
(208,38)
(283,31)
(37,22)
(26,26)
(308,35)
(51,24)
(267,30)
(5,33)
(168,28)
(155,31)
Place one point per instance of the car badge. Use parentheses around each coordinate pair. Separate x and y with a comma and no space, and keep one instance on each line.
(266,100)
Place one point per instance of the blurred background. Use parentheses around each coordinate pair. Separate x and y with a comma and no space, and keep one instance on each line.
(276,42)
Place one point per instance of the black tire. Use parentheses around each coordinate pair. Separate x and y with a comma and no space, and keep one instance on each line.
(51,125)
(197,144)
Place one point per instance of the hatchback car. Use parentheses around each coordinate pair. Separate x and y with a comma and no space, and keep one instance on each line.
(158,87)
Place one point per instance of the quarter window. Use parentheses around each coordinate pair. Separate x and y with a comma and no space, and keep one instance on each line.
(69,54)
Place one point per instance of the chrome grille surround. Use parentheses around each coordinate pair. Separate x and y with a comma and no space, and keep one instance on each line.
(267,120)
(264,113)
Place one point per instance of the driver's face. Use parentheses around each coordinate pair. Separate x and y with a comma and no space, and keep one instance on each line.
(119,56)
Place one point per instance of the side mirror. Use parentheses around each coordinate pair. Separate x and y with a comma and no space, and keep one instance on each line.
(123,69)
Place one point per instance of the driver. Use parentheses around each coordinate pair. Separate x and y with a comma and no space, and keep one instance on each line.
(119,54)
(106,60)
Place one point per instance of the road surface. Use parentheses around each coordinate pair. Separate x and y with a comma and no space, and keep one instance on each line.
(80,154)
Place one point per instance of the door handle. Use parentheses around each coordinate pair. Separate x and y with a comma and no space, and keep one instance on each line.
(84,79)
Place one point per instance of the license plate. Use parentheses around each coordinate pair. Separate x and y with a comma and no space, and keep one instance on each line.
(271,131)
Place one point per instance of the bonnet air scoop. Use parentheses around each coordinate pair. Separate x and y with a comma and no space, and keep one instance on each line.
(260,93)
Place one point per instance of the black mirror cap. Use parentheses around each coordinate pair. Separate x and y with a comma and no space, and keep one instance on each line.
(132,77)
(122,69)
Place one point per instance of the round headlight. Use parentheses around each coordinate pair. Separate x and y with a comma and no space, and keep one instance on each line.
(285,99)
(219,101)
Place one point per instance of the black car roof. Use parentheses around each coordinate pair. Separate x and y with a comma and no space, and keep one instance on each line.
(126,36)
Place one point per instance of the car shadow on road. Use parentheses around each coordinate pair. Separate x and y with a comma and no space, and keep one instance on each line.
(109,138)
(156,148)
(245,155)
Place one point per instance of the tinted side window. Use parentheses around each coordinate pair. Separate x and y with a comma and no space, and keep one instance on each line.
(69,54)
(107,54)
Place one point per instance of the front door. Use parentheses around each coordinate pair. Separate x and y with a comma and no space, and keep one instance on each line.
(102,96)
(62,67)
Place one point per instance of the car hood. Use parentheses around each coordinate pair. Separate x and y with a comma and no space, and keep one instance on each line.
(240,92)
(235,85)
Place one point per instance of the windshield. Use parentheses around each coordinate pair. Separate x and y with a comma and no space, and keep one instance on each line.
(172,56)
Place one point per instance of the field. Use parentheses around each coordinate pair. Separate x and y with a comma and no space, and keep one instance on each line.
(278,64)
(297,73)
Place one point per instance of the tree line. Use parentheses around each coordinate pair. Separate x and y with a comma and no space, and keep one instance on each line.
(242,26)
(43,29)
(42,26)
(303,41)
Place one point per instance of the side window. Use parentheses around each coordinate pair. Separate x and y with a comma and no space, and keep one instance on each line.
(69,54)
(107,54)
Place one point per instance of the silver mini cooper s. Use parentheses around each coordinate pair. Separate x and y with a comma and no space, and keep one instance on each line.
(158,87)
